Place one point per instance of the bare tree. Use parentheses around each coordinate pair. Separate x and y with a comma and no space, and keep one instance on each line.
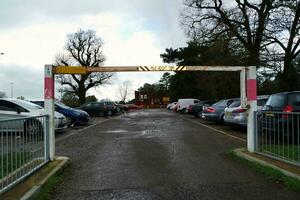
(3,94)
(284,31)
(124,91)
(83,48)
(243,21)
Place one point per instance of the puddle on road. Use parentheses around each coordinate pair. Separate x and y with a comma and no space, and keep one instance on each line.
(116,131)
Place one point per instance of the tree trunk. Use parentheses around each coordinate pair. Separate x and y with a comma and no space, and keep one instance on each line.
(288,79)
(254,58)
(81,94)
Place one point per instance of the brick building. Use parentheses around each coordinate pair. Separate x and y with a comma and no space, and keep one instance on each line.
(148,100)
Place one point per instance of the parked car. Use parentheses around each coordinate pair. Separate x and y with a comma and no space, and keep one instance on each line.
(278,115)
(73,116)
(98,108)
(215,112)
(182,104)
(236,115)
(196,109)
(16,108)
(171,106)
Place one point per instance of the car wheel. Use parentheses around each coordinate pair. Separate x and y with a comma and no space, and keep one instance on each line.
(184,110)
(221,121)
(33,128)
(69,121)
(199,114)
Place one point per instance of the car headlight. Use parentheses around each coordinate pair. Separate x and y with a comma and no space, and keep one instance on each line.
(77,114)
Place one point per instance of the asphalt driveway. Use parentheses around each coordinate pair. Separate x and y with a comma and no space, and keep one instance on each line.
(157,154)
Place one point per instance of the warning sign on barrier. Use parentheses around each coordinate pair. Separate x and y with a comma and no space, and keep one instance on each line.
(162,68)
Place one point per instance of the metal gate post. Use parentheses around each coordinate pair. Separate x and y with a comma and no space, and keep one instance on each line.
(252,107)
(49,107)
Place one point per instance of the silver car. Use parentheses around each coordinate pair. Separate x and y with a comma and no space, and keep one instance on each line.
(236,115)
(16,108)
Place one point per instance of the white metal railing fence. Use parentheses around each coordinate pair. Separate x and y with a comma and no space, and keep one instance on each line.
(24,146)
(278,135)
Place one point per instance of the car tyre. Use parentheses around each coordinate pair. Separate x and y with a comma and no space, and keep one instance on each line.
(199,114)
(69,121)
(221,121)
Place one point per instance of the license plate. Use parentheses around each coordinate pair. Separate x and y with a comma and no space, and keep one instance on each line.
(270,115)
(228,114)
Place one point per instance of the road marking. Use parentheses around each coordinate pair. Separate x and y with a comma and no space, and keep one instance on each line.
(76,132)
(217,130)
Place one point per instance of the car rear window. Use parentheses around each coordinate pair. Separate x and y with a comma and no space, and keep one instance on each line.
(235,104)
(294,100)
(276,100)
(220,103)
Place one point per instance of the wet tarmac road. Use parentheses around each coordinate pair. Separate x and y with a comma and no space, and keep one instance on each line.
(158,155)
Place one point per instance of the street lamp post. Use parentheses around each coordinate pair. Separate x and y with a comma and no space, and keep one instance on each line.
(12,89)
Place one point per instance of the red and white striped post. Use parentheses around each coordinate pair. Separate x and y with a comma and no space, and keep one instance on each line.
(252,103)
(49,107)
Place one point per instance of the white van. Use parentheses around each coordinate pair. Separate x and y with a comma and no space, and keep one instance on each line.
(184,103)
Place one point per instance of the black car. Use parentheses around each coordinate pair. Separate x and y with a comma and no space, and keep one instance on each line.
(277,114)
(98,108)
(73,116)
(196,109)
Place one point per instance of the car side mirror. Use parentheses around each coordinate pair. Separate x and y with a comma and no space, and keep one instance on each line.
(18,110)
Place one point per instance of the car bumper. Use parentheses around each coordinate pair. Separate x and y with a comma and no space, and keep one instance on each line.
(235,120)
(81,120)
(210,116)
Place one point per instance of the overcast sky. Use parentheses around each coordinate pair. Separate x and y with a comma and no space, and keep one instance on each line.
(135,32)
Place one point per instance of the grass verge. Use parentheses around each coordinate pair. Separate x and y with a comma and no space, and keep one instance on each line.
(291,152)
(271,173)
(45,191)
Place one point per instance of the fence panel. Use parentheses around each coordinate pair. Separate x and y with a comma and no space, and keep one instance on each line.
(278,135)
(23,143)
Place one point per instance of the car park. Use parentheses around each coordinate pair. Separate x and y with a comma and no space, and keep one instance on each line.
(235,114)
(215,112)
(16,108)
(98,108)
(182,104)
(73,116)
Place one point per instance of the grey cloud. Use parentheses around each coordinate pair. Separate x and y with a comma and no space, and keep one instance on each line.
(27,82)
(162,17)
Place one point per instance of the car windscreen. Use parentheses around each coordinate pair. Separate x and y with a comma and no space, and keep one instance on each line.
(276,100)
(62,105)
(27,105)
(235,104)
(40,103)
(294,100)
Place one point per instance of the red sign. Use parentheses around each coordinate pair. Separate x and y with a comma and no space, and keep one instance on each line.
(251,89)
(49,88)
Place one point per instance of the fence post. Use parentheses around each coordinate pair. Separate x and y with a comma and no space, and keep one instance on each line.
(49,106)
(46,139)
(252,107)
